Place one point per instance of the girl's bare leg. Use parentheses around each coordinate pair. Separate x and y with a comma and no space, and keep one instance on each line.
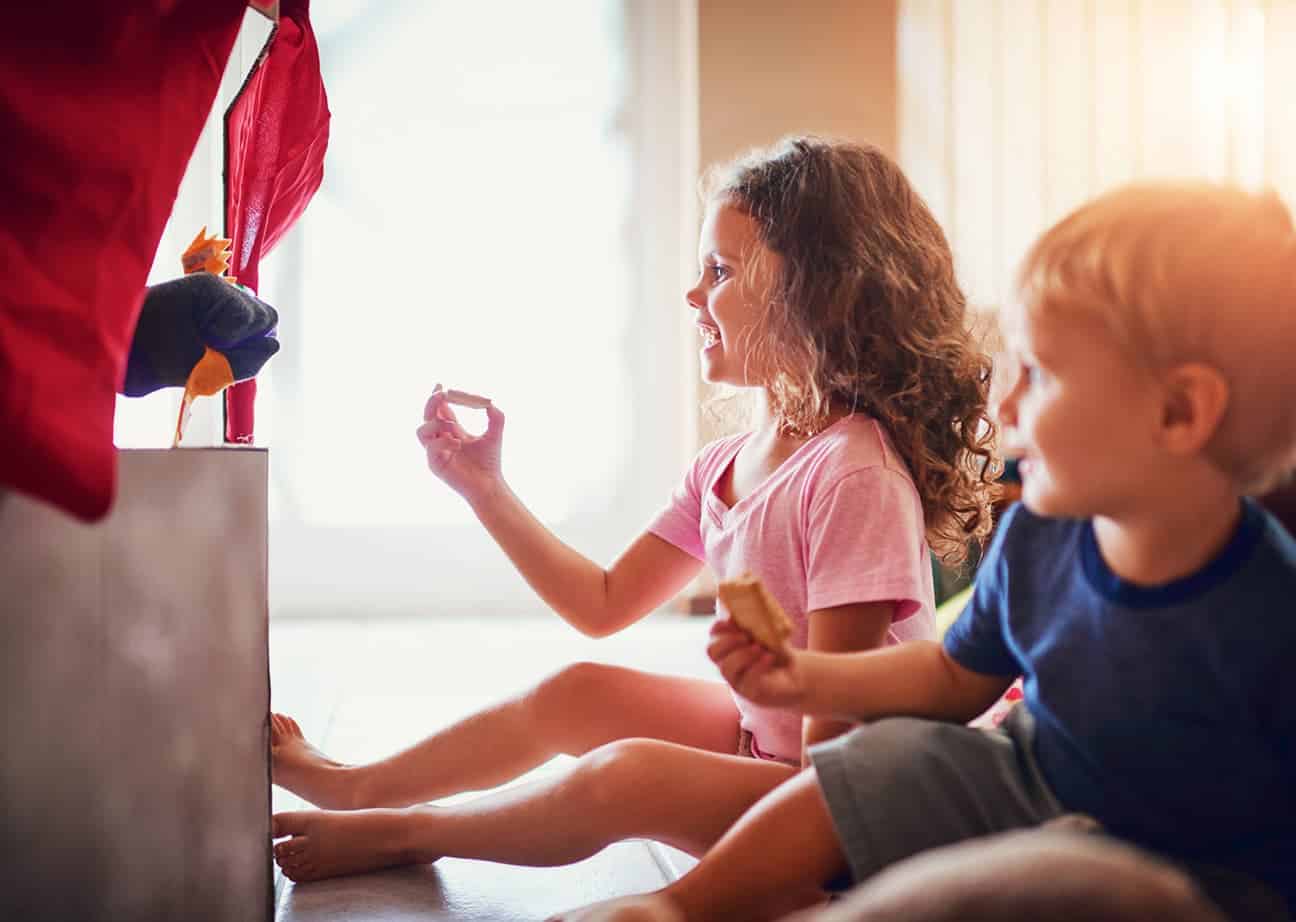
(772,861)
(632,788)
(573,711)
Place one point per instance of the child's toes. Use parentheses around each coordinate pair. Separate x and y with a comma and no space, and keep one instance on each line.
(295,846)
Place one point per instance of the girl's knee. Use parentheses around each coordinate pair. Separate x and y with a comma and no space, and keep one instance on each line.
(570,686)
(612,773)
(559,699)
(564,703)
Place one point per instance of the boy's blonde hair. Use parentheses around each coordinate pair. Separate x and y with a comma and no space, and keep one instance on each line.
(1188,272)
(866,314)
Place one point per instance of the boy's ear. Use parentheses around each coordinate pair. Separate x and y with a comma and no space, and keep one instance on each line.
(1196,397)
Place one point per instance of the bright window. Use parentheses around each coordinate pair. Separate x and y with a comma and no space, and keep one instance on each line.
(481,224)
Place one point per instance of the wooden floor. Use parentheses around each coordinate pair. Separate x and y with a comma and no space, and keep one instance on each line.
(362,689)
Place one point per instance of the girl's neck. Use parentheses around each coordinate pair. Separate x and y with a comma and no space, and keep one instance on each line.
(766,423)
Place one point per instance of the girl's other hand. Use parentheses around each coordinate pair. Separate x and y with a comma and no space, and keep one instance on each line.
(759,675)
(469,464)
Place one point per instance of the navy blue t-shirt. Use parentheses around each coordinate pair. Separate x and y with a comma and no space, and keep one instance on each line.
(1166,713)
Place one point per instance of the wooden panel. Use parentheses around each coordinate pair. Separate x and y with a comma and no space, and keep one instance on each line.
(134,688)
(769,68)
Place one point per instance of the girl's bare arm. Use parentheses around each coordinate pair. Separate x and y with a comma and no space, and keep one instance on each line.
(841,629)
(594,600)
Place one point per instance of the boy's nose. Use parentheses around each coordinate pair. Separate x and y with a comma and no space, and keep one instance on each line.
(1005,384)
(1004,410)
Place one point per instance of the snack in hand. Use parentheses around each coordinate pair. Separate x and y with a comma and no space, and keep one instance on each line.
(756,611)
(465,399)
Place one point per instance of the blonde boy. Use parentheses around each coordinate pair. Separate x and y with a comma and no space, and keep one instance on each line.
(1148,603)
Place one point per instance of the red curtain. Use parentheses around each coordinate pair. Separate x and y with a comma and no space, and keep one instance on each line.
(101,105)
(276,133)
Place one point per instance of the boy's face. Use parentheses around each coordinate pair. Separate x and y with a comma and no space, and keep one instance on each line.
(1080,416)
(730,293)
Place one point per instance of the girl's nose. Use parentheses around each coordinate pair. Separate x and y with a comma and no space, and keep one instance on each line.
(694,297)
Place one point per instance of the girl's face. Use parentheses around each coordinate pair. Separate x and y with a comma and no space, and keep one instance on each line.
(731,293)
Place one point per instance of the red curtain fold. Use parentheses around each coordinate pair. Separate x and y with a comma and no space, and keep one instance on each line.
(276,133)
(101,105)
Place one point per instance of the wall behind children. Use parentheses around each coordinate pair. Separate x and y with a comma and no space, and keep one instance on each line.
(1013,112)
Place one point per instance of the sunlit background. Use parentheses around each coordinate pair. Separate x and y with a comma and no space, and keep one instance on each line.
(508,208)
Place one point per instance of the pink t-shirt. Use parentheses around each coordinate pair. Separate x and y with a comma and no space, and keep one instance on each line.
(838,523)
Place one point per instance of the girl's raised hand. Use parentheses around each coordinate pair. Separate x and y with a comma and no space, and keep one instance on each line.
(469,464)
(759,675)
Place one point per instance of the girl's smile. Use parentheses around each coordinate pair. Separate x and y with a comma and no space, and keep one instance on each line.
(730,295)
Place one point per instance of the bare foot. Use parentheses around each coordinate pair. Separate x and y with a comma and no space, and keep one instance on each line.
(299,767)
(651,907)
(328,843)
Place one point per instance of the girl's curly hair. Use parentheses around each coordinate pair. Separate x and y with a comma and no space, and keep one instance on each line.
(866,314)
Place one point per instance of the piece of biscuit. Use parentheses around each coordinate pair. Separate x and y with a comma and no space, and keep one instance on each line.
(756,611)
(465,399)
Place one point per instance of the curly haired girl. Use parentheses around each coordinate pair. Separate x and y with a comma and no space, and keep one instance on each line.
(828,289)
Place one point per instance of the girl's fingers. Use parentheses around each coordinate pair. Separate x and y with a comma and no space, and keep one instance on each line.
(441,449)
(434,403)
(451,427)
(437,429)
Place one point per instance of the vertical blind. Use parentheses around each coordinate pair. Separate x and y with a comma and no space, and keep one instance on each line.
(1013,112)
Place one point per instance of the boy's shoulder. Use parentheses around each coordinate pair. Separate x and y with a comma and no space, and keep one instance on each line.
(1261,558)
(1022,535)
(1275,557)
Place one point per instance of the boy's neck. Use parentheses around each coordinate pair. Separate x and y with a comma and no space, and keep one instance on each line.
(1173,537)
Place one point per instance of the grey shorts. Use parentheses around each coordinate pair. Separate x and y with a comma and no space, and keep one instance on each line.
(901,786)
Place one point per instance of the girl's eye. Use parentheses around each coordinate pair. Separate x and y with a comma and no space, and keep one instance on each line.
(718,273)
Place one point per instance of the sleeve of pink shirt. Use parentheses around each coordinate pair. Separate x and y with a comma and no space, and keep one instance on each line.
(865,543)
(680,523)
